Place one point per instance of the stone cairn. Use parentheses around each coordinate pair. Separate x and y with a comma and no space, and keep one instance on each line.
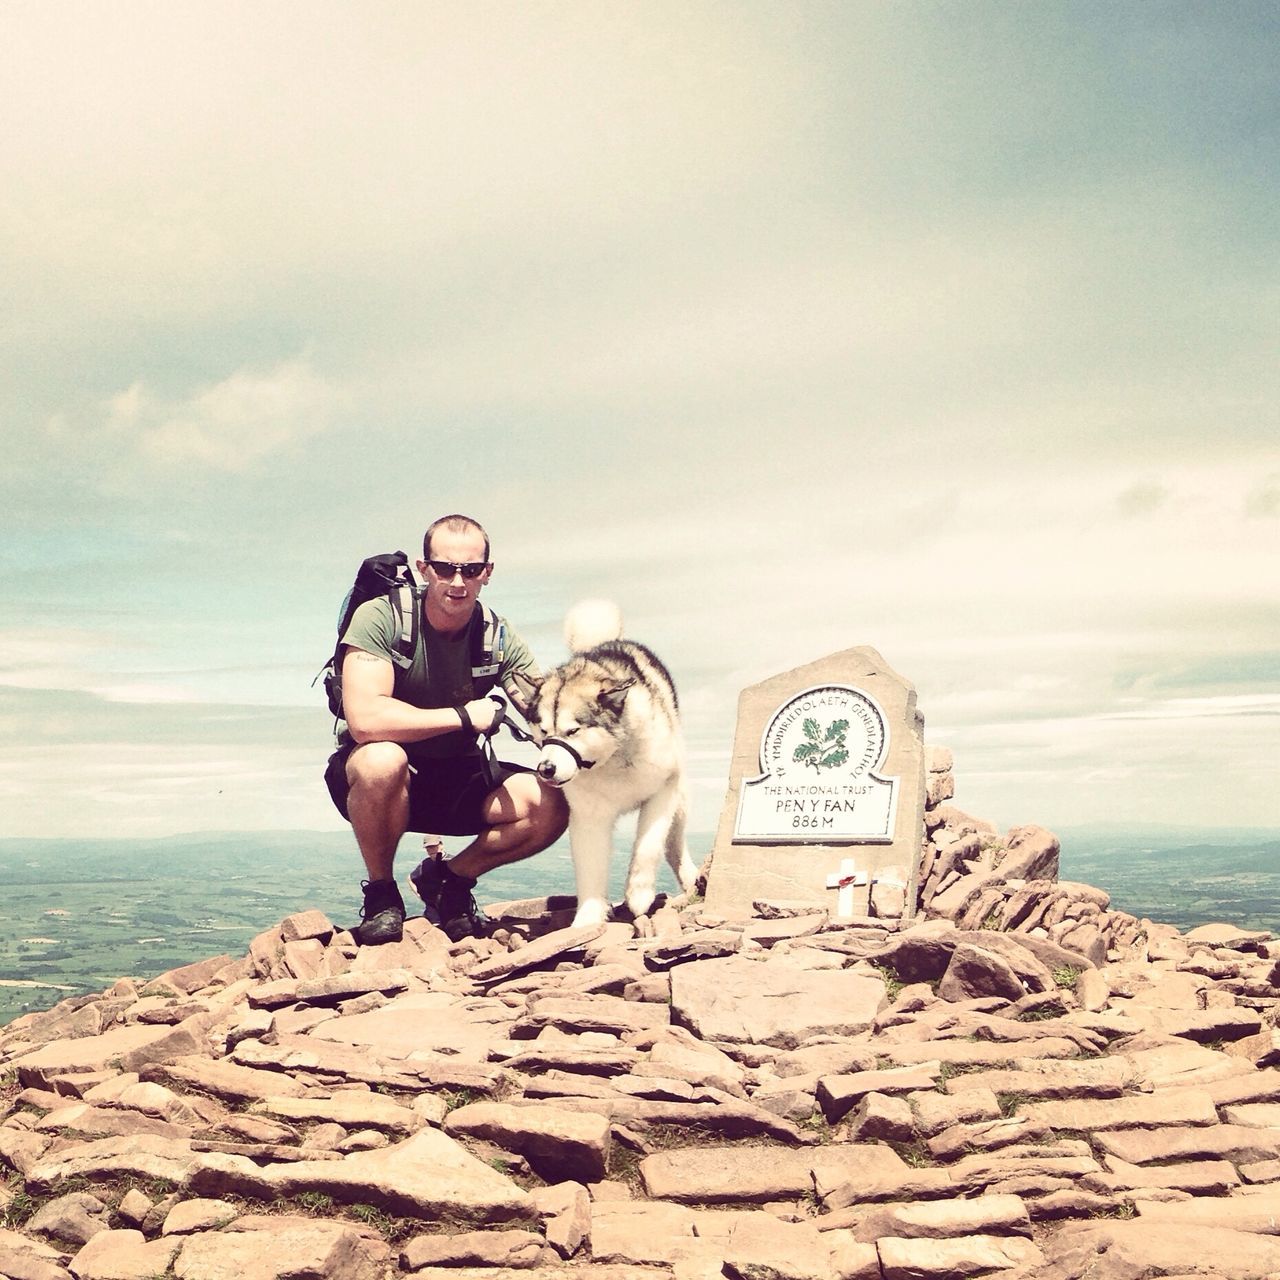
(1011,1081)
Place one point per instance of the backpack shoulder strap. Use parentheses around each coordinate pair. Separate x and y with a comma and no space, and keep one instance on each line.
(406,608)
(487,645)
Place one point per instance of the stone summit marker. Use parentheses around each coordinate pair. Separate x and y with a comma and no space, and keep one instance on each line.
(825,804)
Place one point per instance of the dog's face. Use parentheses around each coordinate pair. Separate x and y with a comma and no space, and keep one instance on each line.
(576,715)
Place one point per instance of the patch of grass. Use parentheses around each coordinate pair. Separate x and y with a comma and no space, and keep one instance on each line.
(1039,1015)
(892,983)
(914,1153)
(1124,1210)
(17,1205)
(624,1166)
(1011,1102)
(992,922)
(373,1217)
(455,1098)
(1066,976)
(315,1201)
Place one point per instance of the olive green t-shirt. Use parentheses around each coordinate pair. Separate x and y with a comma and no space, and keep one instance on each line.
(440,675)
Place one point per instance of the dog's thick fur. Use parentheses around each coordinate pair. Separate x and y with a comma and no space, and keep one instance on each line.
(608,721)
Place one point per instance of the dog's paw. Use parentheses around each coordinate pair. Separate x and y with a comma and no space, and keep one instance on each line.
(639,901)
(592,911)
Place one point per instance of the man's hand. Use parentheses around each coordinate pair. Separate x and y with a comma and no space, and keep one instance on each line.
(485,713)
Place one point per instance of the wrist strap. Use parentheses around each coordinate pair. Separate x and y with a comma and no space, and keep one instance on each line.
(465,717)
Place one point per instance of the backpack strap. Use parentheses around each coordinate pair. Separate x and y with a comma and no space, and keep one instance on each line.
(406,607)
(488,641)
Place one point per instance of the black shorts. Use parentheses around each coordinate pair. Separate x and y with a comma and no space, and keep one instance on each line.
(446,795)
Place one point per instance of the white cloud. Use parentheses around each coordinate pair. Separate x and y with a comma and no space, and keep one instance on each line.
(228,426)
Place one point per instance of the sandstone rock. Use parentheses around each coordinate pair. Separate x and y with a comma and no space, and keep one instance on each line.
(737,1175)
(1199,1177)
(70,1220)
(640,1233)
(760,1247)
(952,1259)
(975,971)
(88,1053)
(427,1176)
(1031,854)
(1188,1107)
(994,1215)
(137,1157)
(198,1215)
(741,1001)
(1237,1143)
(289,1250)
(123,1255)
(838,1094)
(565,1210)
(879,1117)
(516,1250)
(224,1079)
(535,954)
(1141,1248)
(350,1109)
(559,1145)
(305,925)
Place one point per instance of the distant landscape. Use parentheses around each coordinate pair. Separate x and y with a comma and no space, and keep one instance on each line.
(75,914)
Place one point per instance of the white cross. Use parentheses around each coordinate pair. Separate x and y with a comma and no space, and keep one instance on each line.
(844,881)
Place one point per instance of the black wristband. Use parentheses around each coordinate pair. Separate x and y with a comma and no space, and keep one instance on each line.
(465,716)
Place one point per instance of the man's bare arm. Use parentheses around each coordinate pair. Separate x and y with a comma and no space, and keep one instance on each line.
(374,714)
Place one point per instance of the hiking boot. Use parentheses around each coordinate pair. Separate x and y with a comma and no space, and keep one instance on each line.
(447,900)
(382,916)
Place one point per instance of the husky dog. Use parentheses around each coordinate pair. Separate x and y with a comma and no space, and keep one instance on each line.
(608,725)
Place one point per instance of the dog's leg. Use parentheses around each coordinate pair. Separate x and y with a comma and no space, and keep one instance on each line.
(653,831)
(677,850)
(590,842)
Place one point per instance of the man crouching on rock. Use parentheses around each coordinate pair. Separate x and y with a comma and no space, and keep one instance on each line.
(409,759)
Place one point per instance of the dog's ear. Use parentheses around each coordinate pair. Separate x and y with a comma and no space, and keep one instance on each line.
(523,691)
(611,697)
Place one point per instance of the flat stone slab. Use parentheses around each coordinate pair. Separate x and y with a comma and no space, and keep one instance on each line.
(952,1259)
(741,1001)
(351,1109)
(1148,1111)
(1237,1143)
(328,991)
(750,1175)
(838,1094)
(1197,1177)
(1258,1212)
(227,1080)
(560,1145)
(424,1022)
(287,1251)
(506,1250)
(971,1053)
(122,1254)
(535,954)
(42,1066)
(1142,1248)
(1049,1079)
(940,1219)
(576,1015)
(427,1176)
(142,1156)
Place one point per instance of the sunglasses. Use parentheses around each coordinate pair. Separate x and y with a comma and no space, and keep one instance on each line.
(446,568)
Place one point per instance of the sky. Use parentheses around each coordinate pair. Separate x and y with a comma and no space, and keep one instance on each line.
(944,328)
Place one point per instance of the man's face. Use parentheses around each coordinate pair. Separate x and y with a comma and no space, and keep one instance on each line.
(451,597)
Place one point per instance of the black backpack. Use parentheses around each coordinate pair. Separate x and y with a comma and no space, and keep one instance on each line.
(389,575)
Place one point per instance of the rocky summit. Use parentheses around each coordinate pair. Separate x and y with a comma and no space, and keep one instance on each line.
(1009,1081)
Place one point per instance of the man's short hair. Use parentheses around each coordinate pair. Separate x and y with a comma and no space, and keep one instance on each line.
(455,524)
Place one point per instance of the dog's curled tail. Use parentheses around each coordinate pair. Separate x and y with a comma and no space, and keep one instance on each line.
(591,622)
